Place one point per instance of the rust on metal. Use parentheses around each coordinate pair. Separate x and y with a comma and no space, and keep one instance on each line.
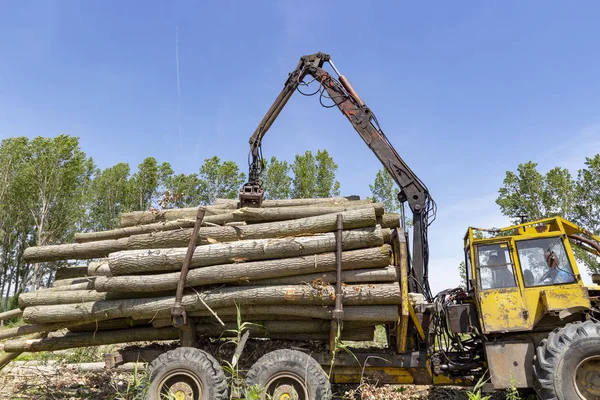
(510,363)
(178,314)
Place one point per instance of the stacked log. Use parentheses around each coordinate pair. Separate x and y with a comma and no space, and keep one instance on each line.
(276,265)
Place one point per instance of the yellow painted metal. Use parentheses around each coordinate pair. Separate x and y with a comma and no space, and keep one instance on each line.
(380,374)
(415,320)
(444,380)
(404,313)
(521,308)
(503,310)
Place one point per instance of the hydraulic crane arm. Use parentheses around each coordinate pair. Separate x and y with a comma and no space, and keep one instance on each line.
(412,190)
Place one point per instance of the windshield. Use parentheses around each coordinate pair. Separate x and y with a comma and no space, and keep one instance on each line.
(495,267)
(544,262)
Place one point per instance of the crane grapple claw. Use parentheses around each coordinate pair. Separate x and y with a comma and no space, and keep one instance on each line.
(251,195)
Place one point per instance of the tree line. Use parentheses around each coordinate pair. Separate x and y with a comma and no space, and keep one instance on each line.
(533,195)
(50,189)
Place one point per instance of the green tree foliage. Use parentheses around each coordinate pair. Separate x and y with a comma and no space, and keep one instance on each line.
(47,194)
(186,188)
(277,182)
(528,192)
(587,205)
(108,197)
(144,184)
(314,176)
(462,271)
(384,191)
(219,180)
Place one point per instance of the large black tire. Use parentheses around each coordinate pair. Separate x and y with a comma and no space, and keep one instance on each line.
(190,371)
(290,372)
(567,364)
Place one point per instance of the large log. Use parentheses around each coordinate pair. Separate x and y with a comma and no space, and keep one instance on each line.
(383,313)
(372,275)
(8,357)
(357,295)
(10,314)
(71,281)
(136,261)
(150,217)
(79,251)
(247,272)
(230,203)
(46,297)
(180,238)
(281,329)
(85,339)
(98,268)
(134,230)
(389,220)
(248,214)
(357,218)
(36,328)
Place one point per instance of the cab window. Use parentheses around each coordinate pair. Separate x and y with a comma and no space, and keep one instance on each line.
(544,262)
(495,267)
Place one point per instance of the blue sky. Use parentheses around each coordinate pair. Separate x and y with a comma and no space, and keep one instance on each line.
(463,90)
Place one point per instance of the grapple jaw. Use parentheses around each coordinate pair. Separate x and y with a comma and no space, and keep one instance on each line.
(251,195)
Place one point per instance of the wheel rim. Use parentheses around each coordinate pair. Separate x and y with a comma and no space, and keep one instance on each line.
(181,384)
(587,378)
(286,386)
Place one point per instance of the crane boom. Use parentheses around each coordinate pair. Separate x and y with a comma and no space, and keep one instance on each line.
(412,189)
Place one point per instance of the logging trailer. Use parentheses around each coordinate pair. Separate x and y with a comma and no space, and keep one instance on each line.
(525,319)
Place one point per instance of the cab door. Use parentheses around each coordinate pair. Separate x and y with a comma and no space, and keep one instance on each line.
(500,298)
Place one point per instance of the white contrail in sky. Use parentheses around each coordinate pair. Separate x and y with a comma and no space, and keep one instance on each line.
(178,86)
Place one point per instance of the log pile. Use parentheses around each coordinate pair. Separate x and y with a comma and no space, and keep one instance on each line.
(276,264)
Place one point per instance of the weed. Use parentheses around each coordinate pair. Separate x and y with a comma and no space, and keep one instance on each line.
(136,387)
(476,393)
(237,384)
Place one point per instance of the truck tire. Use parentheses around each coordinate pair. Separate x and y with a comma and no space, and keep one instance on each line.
(188,373)
(289,374)
(567,364)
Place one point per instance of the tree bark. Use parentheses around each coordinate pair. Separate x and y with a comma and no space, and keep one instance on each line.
(358,218)
(134,230)
(98,268)
(373,275)
(247,272)
(74,340)
(389,220)
(10,314)
(231,203)
(86,285)
(249,214)
(151,217)
(151,308)
(43,297)
(80,251)
(8,357)
(36,328)
(72,281)
(279,329)
(382,313)
(136,261)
